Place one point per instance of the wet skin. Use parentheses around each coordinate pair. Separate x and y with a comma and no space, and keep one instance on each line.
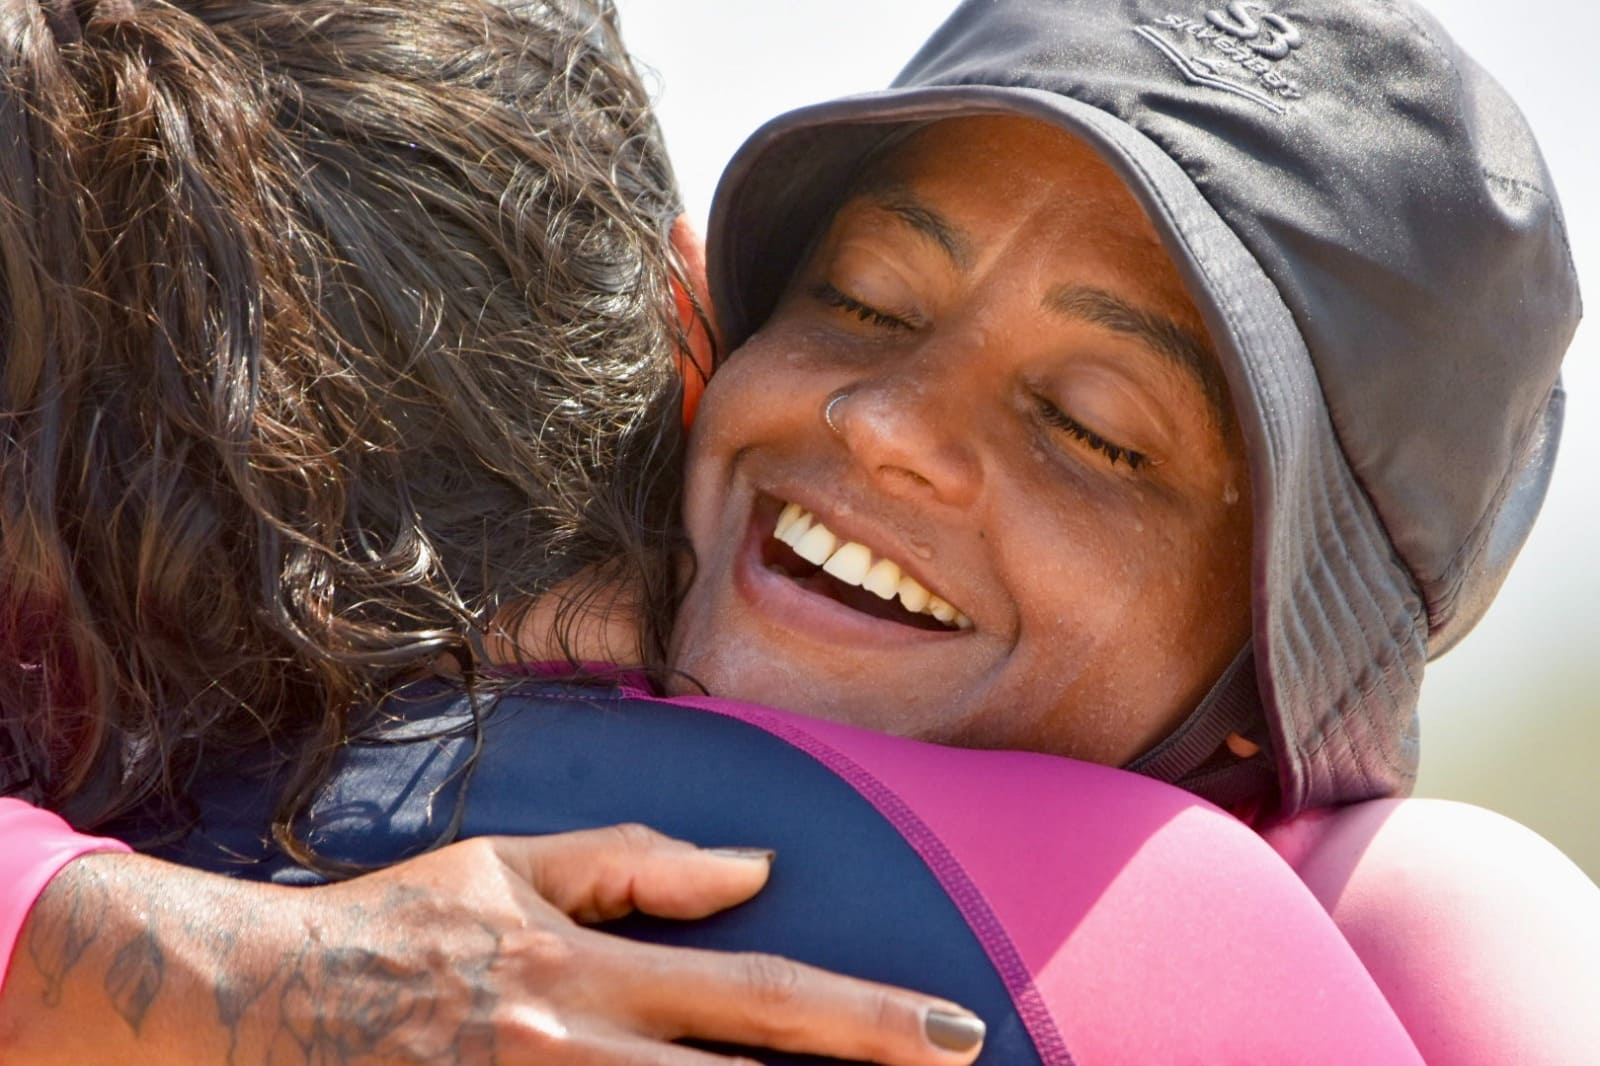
(1031,428)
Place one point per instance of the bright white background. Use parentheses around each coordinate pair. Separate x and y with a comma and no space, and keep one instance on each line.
(1511,717)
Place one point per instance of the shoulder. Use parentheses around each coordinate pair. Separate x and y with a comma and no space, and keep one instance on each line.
(1484,936)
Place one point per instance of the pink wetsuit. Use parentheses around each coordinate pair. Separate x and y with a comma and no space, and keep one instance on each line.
(34,845)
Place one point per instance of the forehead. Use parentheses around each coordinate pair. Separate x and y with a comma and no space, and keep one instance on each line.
(1005,165)
(997,177)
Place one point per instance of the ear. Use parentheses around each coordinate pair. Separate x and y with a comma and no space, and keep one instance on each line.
(693,304)
(1241,746)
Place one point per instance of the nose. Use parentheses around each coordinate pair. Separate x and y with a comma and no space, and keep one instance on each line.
(911,433)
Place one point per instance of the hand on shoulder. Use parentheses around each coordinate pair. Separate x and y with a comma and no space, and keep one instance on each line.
(470,954)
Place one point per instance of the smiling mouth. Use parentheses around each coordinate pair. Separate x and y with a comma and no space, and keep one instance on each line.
(807,552)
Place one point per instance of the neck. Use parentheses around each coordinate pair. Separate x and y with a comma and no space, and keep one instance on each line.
(587,618)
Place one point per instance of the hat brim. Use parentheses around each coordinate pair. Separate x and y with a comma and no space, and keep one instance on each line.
(1338,662)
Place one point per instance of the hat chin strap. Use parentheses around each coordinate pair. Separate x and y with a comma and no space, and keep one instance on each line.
(1194,756)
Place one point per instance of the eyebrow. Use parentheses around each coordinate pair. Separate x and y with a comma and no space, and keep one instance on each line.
(1182,347)
(894,197)
(1185,349)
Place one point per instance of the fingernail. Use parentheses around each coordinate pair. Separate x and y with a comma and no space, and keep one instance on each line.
(951,1031)
(766,855)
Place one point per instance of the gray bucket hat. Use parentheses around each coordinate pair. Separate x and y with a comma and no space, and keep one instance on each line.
(1365,222)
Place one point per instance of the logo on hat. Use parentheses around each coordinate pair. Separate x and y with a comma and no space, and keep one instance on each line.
(1236,48)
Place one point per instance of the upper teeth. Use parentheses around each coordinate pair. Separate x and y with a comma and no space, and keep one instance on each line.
(854,564)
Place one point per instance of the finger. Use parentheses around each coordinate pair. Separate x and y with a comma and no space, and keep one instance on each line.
(544,1044)
(637,1051)
(771,1002)
(599,874)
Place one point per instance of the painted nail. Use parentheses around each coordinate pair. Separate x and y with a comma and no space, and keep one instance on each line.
(765,855)
(951,1031)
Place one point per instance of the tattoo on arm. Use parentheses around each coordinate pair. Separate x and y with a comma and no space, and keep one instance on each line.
(352,987)
(134,979)
(59,937)
(238,987)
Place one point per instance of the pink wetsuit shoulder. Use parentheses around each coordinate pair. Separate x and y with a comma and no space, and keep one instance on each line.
(34,846)
(1484,938)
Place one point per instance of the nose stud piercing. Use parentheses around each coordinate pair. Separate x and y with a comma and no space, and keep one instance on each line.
(827,411)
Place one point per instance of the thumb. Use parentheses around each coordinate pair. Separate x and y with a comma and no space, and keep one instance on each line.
(595,875)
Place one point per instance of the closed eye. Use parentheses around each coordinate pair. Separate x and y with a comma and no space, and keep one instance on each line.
(1114,453)
(833,297)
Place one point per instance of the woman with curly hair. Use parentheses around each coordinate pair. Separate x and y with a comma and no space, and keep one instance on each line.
(332,329)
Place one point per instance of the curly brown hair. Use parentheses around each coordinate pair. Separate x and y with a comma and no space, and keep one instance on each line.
(329,326)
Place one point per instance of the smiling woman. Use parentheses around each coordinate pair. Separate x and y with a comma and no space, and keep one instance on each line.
(1509,717)
(987,393)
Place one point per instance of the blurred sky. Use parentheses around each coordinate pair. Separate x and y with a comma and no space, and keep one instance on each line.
(1511,717)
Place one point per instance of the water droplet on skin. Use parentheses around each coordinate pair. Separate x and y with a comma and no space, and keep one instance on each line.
(1230,494)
